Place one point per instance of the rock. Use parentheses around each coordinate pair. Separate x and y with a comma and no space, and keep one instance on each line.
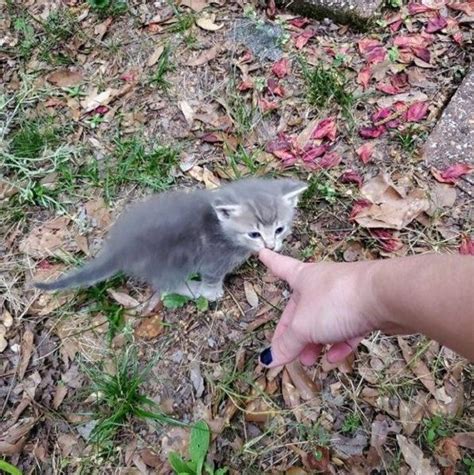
(452,139)
(357,12)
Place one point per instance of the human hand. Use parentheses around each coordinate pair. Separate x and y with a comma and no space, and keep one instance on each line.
(330,304)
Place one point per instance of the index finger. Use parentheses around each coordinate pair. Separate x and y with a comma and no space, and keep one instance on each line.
(282,266)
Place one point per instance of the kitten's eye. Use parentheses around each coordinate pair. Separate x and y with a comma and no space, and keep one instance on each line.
(279,230)
(255,235)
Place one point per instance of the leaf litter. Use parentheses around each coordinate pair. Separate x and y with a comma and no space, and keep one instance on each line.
(228,96)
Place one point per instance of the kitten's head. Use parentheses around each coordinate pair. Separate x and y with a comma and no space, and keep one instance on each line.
(258,213)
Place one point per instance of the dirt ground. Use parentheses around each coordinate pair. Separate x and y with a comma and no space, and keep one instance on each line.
(104,102)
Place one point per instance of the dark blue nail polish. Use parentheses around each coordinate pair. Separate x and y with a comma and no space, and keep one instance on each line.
(266,357)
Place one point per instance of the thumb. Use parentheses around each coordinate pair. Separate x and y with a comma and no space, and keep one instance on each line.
(282,266)
(285,348)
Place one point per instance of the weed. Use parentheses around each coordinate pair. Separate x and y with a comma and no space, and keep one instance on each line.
(9,468)
(184,21)
(163,67)
(198,447)
(28,39)
(59,25)
(131,163)
(119,396)
(320,187)
(175,301)
(409,139)
(109,7)
(32,137)
(241,158)
(351,423)
(326,85)
(469,463)
(393,54)
(394,4)
(435,428)
(244,116)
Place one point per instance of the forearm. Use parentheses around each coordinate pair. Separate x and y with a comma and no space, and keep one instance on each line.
(430,294)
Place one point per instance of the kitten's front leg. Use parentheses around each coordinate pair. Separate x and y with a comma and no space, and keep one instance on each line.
(212,287)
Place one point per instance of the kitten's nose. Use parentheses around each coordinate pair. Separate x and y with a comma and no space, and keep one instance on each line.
(270,245)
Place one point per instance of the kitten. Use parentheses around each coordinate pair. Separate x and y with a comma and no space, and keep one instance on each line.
(171,236)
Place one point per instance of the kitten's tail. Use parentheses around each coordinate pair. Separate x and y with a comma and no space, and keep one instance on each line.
(94,271)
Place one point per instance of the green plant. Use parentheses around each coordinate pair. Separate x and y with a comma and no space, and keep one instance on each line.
(244,116)
(28,39)
(198,447)
(109,7)
(163,67)
(469,463)
(409,139)
(119,396)
(133,163)
(393,54)
(435,428)
(327,84)
(395,4)
(351,423)
(242,157)
(175,301)
(9,468)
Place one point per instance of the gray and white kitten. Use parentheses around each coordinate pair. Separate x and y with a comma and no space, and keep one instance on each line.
(171,236)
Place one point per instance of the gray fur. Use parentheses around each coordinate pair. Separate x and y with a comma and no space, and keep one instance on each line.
(173,235)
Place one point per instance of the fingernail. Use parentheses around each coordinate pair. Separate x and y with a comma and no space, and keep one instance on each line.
(266,357)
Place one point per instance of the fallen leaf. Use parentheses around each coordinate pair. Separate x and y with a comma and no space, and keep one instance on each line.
(98,212)
(387,88)
(314,152)
(207,22)
(351,176)
(452,173)
(195,5)
(27,341)
(364,75)
(101,28)
(306,387)
(59,395)
(416,112)
(155,56)
(196,378)
(414,457)
(250,294)
(371,132)
(466,7)
(325,129)
(436,24)
(412,412)
(448,450)
(149,327)
(365,152)
(266,105)
(275,88)
(123,299)
(14,438)
(467,245)
(465,439)
(302,39)
(204,57)
(245,85)
(281,68)
(299,22)
(417,8)
(386,237)
(94,99)
(442,195)
(388,207)
(65,77)
(187,111)
(329,160)
(349,446)
(291,396)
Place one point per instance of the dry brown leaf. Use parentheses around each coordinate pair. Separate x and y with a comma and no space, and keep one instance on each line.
(101,29)
(95,99)
(207,22)
(306,387)
(98,213)
(59,395)
(27,341)
(390,208)
(13,440)
(417,366)
(204,57)
(412,412)
(65,77)
(465,439)
(195,5)
(259,410)
(291,396)
(414,457)
(155,56)
(123,299)
(187,111)
(3,343)
(149,327)
(442,195)
(250,294)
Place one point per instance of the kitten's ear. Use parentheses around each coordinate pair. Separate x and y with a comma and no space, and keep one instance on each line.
(226,211)
(292,192)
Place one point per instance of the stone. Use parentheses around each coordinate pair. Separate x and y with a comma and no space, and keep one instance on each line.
(452,139)
(357,12)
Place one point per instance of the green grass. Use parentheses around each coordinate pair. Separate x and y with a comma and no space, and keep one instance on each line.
(244,115)
(435,428)
(410,138)
(327,85)
(28,39)
(320,186)
(108,7)
(162,68)
(243,157)
(133,163)
(120,397)
(351,423)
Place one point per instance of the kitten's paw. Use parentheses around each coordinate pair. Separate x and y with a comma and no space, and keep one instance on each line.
(212,293)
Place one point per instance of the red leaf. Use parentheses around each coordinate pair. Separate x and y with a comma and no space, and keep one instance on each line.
(282,148)
(211,138)
(416,8)
(245,85)
(326,128)
(367,44)
(274,87)
(371,132)
(304,37)
(246,58)
(381,114)
(377,55)
(387,88)
(351,176)
(266,105)
(281,68)
(129,76)
(467,246)
(365,152)
(100,110)
(385,237)
(416,112)
(436,24)
(422,53)
(314,152)
(458,38)
(330,160)
(364,76)
(395,26)
(466,7)
(299,22)
(400,80)
(271,9)
(392,124)
(452,173)
(359,205)
(412,41)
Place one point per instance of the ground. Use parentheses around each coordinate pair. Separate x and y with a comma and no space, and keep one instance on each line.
(104,102)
